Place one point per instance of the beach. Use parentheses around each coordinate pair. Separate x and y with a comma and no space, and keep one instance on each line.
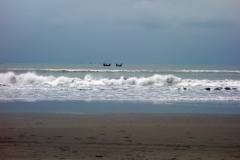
(88,111)
(26,135)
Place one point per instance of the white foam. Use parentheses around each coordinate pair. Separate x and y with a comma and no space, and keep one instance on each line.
(26,78)
(144,81)
(31,86)
(207,71)
(31,78)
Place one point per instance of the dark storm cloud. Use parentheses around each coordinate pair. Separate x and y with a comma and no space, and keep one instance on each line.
(105,29)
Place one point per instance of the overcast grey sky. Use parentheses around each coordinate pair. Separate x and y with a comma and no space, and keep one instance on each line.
(129,31)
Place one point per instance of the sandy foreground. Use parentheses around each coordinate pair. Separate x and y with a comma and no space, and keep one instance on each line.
(119,136)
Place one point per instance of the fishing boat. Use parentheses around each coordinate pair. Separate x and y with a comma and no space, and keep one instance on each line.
(118,65)
(106,64)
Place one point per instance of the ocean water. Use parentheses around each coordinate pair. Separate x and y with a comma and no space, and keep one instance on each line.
(94,82)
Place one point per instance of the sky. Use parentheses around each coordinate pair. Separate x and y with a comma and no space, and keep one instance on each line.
(128,31)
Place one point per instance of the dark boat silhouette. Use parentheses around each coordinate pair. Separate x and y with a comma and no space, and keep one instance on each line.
(106,64)
(118,65)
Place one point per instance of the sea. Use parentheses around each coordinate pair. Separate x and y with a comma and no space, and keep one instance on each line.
(151,84)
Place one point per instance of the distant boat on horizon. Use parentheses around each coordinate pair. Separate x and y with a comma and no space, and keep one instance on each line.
(106,64)
(118,65)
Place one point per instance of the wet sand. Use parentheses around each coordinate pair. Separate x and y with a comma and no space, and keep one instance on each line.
(119,136)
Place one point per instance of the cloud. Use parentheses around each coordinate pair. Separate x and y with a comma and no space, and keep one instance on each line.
(105,27)
(148,14)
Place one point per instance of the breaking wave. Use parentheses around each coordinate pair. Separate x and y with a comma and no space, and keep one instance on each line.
(33,86)
(31,78)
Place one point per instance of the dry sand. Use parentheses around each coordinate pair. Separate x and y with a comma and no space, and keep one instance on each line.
(119,136)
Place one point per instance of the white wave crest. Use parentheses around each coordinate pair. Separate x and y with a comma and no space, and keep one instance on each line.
(31,86)
(153,80)
(31,78)
(26,78)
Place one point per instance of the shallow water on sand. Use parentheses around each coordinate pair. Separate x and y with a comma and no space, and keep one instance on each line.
(121,107)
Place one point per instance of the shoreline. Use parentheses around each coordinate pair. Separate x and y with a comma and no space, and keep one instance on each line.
(119,136)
